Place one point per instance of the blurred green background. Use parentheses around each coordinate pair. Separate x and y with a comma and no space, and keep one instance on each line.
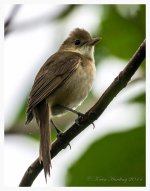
(115,158)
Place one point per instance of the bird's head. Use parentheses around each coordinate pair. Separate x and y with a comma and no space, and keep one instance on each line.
(80,41)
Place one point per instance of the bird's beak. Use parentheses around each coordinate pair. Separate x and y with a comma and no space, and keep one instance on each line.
(94,41)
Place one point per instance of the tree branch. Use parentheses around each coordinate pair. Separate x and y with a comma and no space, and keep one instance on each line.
(90,116)
(35,22)
(10,19)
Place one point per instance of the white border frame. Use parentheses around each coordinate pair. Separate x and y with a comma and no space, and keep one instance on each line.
(147,2)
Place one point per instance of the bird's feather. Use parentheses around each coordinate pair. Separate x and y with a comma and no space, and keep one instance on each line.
(51,76)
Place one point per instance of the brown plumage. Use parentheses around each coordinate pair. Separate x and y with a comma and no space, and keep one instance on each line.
(65,79)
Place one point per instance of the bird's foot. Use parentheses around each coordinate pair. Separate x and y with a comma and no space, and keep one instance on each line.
(59,134)
(80,116)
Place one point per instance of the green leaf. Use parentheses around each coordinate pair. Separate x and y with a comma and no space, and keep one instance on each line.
(117,159)
(139,99)
(122,35)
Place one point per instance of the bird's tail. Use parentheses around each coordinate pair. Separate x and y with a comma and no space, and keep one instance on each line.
(42,115)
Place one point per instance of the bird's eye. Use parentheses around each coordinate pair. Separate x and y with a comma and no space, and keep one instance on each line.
(77,42)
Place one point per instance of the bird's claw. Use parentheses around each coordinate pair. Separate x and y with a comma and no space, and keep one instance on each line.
(59,136)
(93,125)
(80,116)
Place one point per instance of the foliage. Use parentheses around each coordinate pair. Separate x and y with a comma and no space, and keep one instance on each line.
(117,159)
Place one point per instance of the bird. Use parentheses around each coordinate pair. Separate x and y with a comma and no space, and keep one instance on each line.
(61,85)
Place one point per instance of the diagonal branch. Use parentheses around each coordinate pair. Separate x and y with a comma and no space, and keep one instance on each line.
(90,116)
(10,19)
(35,22)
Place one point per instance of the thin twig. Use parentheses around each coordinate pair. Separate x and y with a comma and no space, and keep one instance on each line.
(46,18)
(90,116)
(10,18)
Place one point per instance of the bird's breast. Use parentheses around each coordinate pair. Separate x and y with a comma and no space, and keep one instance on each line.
(75,89)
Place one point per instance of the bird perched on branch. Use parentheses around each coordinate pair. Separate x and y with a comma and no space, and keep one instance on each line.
(61,84)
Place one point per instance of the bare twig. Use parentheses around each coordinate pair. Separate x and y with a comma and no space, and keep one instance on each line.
(10,18)
(90,116)
(46,18)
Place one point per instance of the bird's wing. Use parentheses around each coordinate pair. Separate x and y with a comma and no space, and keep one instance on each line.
(57,69)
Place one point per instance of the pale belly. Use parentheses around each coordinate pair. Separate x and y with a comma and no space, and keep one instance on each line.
(74,90)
